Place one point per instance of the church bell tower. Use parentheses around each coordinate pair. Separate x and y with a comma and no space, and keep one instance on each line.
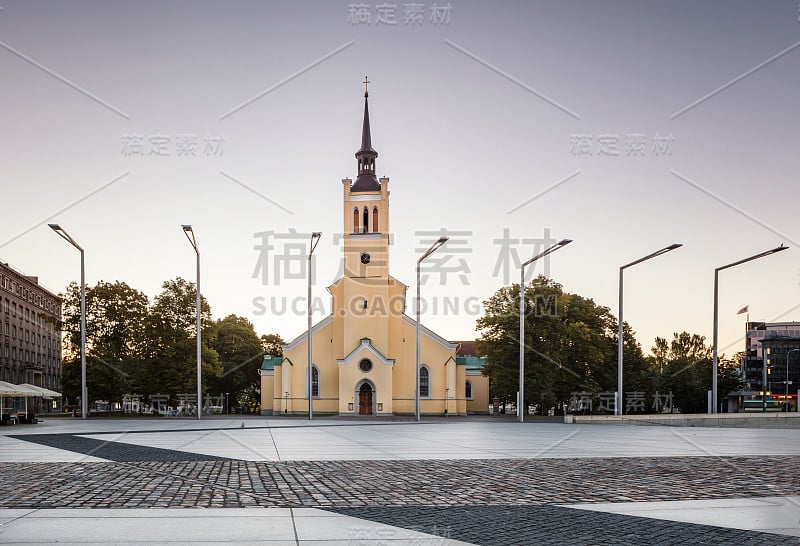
(366,293)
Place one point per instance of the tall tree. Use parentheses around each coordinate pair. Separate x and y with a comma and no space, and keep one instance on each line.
(240,354)
(171,352)
(115,321)
(115,337)
(570,344)
(683,367)
(272,344)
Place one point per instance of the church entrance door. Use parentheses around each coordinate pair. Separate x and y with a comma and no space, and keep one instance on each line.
(365,400)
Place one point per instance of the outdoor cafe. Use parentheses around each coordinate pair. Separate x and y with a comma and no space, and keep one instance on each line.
(14,402)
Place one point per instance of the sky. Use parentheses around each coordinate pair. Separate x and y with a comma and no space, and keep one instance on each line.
(625,126)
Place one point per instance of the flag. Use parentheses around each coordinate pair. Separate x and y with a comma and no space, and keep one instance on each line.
(744,309)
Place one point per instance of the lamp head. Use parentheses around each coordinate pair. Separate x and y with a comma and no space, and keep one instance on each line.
(563,242)
(316,235)
(442,240)
(187,227)
(54,227)
(673,247)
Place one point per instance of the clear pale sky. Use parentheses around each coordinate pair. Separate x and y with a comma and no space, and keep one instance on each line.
(472,117)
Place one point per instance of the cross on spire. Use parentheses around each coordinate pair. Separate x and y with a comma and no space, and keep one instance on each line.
(366,86)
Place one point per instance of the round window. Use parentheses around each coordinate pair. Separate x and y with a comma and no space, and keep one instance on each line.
(365,365)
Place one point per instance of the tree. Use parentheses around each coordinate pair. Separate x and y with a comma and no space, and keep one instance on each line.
(272,344)
(569,347)
(240,354)
(115,321)
(171,331)
(115,337)
(684,369)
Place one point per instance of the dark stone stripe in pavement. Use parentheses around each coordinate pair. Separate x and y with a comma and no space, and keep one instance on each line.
(113,451)
(551,525)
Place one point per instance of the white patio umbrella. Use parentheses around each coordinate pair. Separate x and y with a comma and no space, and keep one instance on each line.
(26,391)
(43,392)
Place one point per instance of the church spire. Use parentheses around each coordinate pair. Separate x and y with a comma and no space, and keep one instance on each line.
(366,156)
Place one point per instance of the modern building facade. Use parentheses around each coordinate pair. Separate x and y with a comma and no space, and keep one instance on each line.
(30,344)
(775,345)
(364,353)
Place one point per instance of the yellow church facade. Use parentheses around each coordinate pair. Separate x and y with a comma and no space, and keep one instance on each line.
(364,353)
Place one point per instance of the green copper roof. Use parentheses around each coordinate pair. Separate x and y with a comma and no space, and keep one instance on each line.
(471,362)
(270,362)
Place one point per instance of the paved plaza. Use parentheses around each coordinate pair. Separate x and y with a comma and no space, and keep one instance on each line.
(477,481)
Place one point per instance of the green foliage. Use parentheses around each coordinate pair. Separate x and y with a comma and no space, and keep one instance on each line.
(566,351)
(133,346)
(171,354)
(115,321)
(272,344)
(575,350)
(240,354)
(684,369)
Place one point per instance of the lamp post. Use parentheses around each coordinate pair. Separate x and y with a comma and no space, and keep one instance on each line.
(618,400)
(521,396)
(227,405)
(84,391)
(187,230)
(434,247)
(314,240)
(716,318)
(786,399)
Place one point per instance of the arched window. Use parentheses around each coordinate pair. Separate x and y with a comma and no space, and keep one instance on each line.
(355,220)
(468,391)
(424,381)
(375,220)
(365,223)
(314,382)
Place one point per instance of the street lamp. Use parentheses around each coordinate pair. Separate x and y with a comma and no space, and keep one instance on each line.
(84,392)
(786,399)
(187,230)
(314,240)
(716,318)
(434,247)
(521,399)
(618,401)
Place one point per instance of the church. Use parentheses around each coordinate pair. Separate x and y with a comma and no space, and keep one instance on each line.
(364,352)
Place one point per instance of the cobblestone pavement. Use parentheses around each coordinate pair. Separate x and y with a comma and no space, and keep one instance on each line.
(498,501)
(172,478)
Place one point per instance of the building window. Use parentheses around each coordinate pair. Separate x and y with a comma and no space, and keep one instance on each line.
(468,390)
(424,381)
(315,381)
(365,223)
(365,365)
(355,220)
(375,220)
